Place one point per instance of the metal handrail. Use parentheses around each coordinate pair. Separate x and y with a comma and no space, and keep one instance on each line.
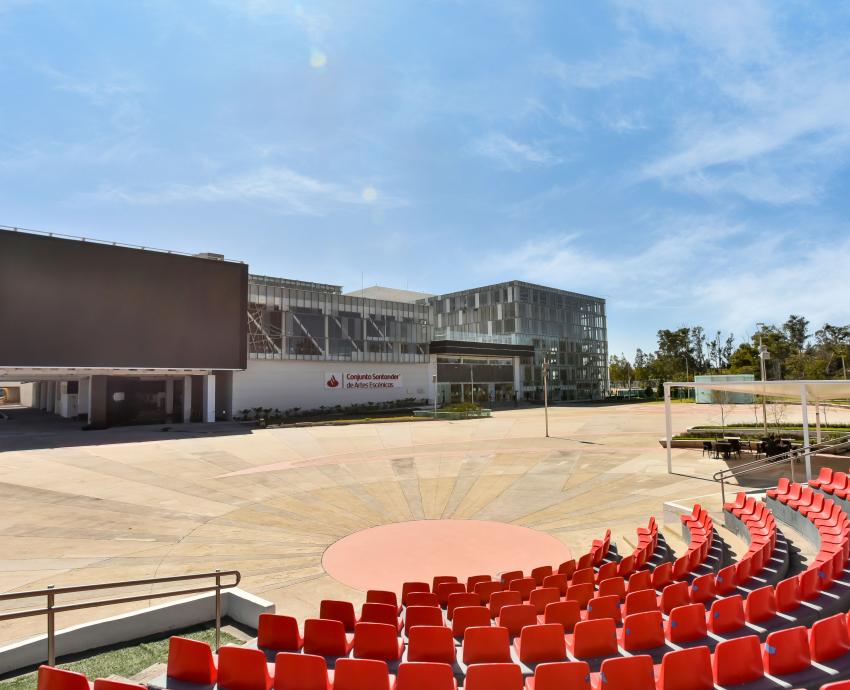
(787,457)
(50,610)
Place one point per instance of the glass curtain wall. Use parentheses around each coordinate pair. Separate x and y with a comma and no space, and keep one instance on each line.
(567,328)
(295,320)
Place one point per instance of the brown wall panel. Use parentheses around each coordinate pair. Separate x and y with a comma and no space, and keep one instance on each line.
(67,303)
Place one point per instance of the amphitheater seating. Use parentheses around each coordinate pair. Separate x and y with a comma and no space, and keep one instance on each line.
(601,622)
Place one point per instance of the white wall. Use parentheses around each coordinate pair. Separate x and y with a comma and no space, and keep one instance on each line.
(284,384)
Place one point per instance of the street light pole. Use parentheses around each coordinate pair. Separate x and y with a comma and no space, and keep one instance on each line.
(763,355)
(546,393)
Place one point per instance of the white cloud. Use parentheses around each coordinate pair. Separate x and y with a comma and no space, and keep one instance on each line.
(514,154)
(288,190)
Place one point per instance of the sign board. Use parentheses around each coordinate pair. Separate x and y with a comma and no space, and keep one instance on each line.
(362,380)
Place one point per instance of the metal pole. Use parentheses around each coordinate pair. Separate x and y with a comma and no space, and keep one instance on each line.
(51,629)
(217,611)
(471,384)
(546,394)
(668,423)
(763,378)
(722,490)
(804,402)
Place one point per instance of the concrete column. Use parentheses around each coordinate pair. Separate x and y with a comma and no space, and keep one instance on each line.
(51,396)
(169,396)
(208,414)
(97,402)
(36,390)
(42,395)
(83,395)
(88,407)
(187,399)
(517,377)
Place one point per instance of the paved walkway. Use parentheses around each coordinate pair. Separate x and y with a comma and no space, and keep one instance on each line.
(123,504)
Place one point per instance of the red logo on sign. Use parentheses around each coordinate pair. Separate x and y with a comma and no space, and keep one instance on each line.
(332,382)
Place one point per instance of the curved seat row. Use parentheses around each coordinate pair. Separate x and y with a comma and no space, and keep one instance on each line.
(767,555)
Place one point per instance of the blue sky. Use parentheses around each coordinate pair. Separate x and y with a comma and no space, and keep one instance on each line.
(686,161)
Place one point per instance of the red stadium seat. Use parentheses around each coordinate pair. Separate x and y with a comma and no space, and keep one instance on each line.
(593,639)
(409,587)
(326,638)
(662,575)
(839,685)
(446,589)
(686,669)
(681,568)
(240,668)
(561,675)
(787,595)
(583,576)
(638,602)
(737,661)
(541,643)
(543,596)
(50,678)
(726,615)
(673,596)
(628,673)
(485,589)
(486,646)
(458,599)
(493,677)
(604,607)
(828,638)
(702,588)
(540,573)
(113,684)
(421,615)
(585,561)
(626,566)
(279,633)
(342,611)
(507,577)
(473,580)
(516,616)
(606,571)
(381,596)
(559,581)
(642,631)
(377,641)
(425,676)
(523,585)
(431,643)
(809,584)
(565,613)
(613,586)
(468,617)
(191,661)
(639,581)
(300,672)
(743,571)
(760,605)
(567,568)
(504,598)
(423,599)
(725,582)
(824,477)
(686,624)
(442,579)
(357,674)
(786,651)
(380,613)
(581,593)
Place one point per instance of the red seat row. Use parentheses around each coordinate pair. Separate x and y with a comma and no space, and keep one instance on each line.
(761,526)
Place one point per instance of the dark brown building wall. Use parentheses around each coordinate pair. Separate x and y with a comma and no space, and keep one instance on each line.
(67,303)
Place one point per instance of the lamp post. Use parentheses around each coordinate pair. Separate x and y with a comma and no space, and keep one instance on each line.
(546,393)
(764,355)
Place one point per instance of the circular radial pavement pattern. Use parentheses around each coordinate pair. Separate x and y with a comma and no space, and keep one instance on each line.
(384,557)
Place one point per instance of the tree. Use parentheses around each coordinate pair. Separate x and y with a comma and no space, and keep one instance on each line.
(744,360)
(620,371)
(796,330)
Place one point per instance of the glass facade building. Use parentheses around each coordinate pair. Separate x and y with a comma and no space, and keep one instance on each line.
(290,319)
(297,320)
(567,328)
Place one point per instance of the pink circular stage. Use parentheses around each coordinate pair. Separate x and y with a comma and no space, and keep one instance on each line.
(386,556)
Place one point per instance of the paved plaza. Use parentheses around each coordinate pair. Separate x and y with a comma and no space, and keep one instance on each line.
(83,507)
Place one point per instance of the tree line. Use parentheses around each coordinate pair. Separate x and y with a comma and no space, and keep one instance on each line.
(681,354)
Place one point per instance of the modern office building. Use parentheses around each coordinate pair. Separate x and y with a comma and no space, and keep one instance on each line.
(157,336)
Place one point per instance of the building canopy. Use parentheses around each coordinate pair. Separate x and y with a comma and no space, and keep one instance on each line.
(815,390)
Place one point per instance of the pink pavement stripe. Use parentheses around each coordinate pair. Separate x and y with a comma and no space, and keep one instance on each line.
(386,556)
